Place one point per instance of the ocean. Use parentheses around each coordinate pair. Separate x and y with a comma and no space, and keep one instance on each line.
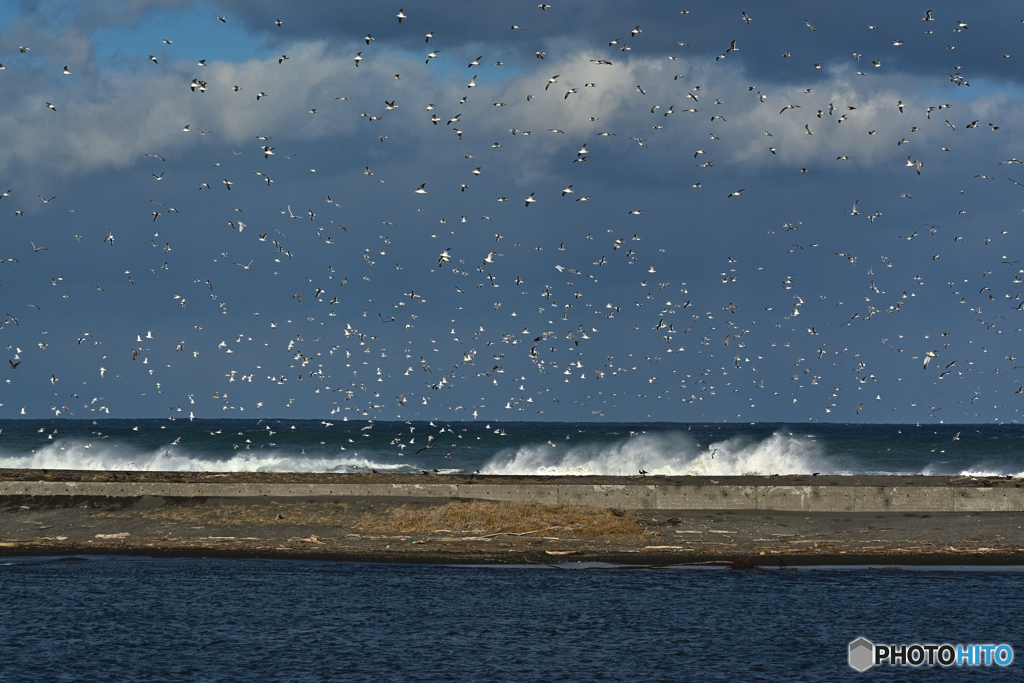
(196,619)
(187,619)
(512,448)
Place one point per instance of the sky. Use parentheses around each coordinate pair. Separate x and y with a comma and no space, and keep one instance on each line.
(583,211)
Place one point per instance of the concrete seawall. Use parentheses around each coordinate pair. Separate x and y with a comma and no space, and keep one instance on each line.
(737,521)
(780,493)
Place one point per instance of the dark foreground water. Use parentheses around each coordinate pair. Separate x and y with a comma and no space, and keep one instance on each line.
(128,619)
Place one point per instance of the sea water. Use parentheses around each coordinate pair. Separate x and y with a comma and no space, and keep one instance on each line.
(129,618)
(186,619)
(512,447)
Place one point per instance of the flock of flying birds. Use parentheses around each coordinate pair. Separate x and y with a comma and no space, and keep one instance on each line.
(493,318)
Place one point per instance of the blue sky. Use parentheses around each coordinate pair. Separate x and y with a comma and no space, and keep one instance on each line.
(654,289)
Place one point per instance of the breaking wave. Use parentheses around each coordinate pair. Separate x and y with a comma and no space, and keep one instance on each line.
(72,456)
(667,454)
(676,453)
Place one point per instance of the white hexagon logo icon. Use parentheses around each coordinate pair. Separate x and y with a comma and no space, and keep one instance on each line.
(862,654)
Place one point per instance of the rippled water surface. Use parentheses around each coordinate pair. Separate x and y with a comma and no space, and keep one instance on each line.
(129,619)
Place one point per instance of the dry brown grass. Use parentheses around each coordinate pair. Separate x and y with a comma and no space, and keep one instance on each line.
(296,514)
(479,517)
(493,518)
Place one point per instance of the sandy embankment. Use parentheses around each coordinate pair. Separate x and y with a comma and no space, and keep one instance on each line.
(966,521)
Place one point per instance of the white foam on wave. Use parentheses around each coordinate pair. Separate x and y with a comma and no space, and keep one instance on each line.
(75,456)
(989,472)
(980,469)
(674,453)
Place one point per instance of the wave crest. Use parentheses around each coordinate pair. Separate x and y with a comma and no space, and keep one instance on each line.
(74,456)
(674,454)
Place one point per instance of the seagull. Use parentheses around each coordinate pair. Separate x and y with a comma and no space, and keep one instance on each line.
(359,58)
(732,48)
(401,15)
(422,189)
(928,357)
(530,200)
(737,193)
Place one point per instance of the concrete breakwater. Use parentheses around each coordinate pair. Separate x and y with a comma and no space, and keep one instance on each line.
(795,493)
